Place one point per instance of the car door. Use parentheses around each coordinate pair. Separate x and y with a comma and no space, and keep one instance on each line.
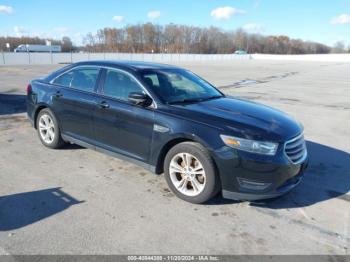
(119,125)
(75,101)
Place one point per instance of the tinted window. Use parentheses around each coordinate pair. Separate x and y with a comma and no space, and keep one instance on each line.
(64,80)
(176,85)
(120,85)
(82,79)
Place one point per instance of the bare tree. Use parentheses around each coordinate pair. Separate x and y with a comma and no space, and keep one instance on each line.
(173,38)
(339,47)
(67,45)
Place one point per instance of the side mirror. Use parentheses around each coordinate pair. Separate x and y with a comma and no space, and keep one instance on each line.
(139,99)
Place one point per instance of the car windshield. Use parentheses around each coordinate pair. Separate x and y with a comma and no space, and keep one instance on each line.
(179,86)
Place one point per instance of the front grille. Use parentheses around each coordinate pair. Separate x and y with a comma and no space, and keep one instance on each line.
(295,149)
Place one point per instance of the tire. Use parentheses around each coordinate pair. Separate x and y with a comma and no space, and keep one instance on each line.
(50,138)
(191,182)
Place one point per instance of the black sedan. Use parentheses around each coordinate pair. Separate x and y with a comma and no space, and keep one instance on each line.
(170,120)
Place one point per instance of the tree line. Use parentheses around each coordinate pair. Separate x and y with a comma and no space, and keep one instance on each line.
(173,38)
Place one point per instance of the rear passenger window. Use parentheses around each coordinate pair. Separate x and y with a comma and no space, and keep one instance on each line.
(83,79)
(64,80)
(120,85)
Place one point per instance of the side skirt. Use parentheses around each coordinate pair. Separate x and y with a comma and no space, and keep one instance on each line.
(108,152)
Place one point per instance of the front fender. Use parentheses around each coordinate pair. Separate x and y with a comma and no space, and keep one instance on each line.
(180,130)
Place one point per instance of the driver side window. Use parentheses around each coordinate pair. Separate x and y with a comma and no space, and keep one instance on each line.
(119,85)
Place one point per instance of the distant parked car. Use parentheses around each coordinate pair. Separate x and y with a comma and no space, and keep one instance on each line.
(38,48)
(240,52)
(170,120)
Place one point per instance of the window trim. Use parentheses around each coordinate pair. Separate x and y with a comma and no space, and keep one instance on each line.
(98,89)
(101,89)
(123,72)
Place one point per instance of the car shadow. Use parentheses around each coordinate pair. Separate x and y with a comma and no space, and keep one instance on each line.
(12,104)
(327,177)
(23,209)
(70,146)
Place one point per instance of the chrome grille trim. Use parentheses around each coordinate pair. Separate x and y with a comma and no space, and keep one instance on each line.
(295,149)
(296,143)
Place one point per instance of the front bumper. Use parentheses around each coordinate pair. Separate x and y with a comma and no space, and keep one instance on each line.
(256,196)
(246,176)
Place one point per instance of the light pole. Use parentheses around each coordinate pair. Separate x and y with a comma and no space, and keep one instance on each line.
(48,43)
(3,56)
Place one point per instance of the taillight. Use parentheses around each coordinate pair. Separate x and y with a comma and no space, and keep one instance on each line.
(29,89)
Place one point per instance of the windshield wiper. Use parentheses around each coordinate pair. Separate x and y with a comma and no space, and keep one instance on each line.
(194,100)
(211,97)
(188,100)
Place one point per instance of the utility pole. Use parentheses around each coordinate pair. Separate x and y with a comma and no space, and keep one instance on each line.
(247,44)
(3,56)
(28,56)
(48,43)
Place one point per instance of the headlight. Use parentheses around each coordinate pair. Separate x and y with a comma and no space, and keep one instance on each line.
(258,147)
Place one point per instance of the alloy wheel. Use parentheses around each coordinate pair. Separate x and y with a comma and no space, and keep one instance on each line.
(187,174)
(46,128)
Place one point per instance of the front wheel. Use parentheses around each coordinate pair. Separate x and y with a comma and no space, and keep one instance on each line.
(190,173)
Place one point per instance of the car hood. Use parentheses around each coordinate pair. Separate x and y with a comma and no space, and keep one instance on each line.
(244,118)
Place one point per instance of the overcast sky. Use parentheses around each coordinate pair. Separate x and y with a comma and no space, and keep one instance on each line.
(324,21)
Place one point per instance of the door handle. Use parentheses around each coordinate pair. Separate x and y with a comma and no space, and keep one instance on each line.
(58,94)
(103,104)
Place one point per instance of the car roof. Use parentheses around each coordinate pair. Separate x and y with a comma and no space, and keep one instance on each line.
(131,65)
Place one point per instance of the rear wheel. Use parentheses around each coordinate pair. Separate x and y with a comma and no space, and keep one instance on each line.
(190,173)
(48,129)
